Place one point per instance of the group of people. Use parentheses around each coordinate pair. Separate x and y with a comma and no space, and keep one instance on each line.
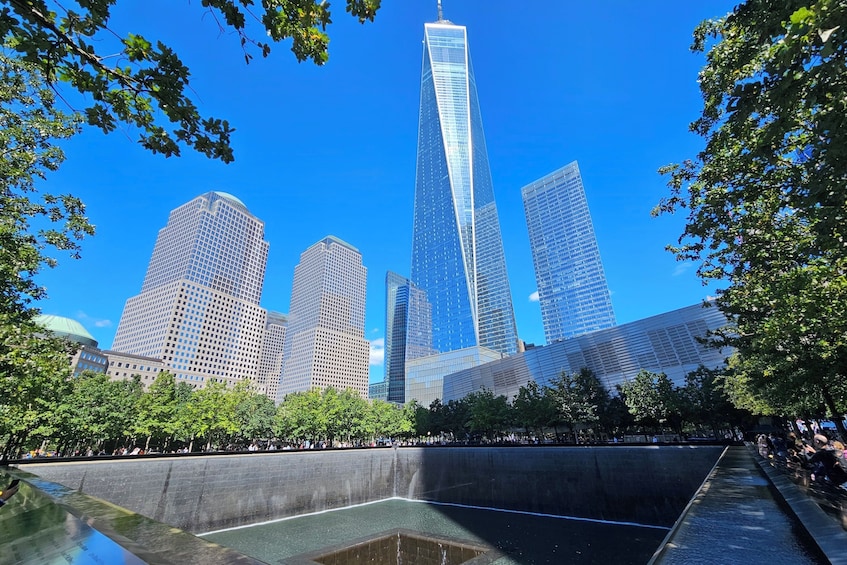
(824,458)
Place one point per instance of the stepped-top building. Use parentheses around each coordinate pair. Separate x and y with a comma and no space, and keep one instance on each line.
(325,341)
(198,310)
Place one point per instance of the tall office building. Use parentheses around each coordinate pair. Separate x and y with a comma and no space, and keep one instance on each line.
(270,360)
(325,341)
(572,286)
(198,310)
(408,331)
(457,252)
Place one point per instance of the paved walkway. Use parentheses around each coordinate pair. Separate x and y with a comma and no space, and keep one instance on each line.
(739,517)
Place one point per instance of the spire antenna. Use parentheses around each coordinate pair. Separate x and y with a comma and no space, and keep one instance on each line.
(440,12)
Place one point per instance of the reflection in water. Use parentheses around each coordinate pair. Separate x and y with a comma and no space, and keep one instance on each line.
(34,529)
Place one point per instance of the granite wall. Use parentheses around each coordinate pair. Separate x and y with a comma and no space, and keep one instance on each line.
(647,485)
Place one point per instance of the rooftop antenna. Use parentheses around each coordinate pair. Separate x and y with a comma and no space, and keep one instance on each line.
(440,12)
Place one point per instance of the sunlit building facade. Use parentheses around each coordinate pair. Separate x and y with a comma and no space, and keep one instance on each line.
(667,343)
(124,367)
(457,251)
(270,359)
(425,375)
(325,341)
(572,288)
(198,310)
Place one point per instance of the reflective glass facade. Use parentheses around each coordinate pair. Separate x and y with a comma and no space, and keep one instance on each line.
(571,283)
(408,331)
(457,251)
(666,343)
(425,376)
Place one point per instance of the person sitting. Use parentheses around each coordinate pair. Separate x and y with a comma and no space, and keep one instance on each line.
(825,464)
(779,447)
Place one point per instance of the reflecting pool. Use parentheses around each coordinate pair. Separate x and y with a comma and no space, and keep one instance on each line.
(516,538)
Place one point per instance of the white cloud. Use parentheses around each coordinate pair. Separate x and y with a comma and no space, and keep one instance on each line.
(682,268)
(377,351)
(86,319)
(533,297)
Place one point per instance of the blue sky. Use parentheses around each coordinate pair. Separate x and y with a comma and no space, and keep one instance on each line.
(331,150)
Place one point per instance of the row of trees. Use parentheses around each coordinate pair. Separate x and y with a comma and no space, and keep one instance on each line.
(91,411)
(578,404)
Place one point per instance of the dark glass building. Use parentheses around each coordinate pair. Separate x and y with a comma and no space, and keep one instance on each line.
(408,331)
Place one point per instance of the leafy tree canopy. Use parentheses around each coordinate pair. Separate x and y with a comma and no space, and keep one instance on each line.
(34,369)
(577,397)
(766,198)
(135,80)
(29,127)
(650,397)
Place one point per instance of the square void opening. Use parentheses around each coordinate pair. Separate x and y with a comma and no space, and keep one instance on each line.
(404,547)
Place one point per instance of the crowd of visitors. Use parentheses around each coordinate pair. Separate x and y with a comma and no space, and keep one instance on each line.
(824,458)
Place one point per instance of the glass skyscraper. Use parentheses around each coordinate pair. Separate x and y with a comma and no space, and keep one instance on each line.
(408,331)
(198,310)
(457,251)
(572,286)
(325,341)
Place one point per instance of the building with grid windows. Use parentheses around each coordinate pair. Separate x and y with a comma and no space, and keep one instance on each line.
(325,341)
(408,331)
(457,251)
(270,360)
(198,310)
(571,283)
(124,366)
(667,343)
(378,390)
(88,357)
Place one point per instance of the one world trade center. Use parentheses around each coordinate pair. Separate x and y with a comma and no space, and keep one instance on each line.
(457,251)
